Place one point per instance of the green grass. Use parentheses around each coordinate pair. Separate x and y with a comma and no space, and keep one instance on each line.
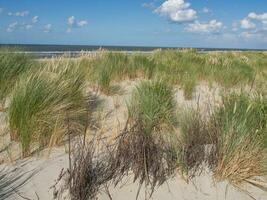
(145,147)
(185,68)
(153,105)
(47,105)
(108,67)
(104,80)
(239,126)
(12,66)
(192,140)
(142,65)
(231,141)
(189,85)
(224,68)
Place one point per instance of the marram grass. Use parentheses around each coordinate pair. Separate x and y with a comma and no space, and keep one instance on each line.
(239,127)
(193,139)
(12,66)
(231,141)
(111,66)
(146,146)
(184,68)
(45,106)
(153,106)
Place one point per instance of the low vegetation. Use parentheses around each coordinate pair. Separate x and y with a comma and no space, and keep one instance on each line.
(239,126)
(91,171)
(47,105)
(12,66)
(184,68)
(193,141)
(146,147)
(47,100)
(231,141)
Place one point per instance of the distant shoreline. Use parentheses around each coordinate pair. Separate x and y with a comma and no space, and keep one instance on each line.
(60,48)
(49,51)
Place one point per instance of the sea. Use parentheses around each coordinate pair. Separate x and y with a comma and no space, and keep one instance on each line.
(49,51)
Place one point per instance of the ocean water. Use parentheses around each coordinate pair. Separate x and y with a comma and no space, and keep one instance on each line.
(47,51)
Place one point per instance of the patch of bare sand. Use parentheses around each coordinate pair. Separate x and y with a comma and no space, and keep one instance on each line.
(203,187)
(45,169)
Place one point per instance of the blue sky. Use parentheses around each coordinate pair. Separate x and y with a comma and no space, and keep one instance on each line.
(177,23)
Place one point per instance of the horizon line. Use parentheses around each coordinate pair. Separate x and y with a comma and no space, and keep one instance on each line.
(133,46)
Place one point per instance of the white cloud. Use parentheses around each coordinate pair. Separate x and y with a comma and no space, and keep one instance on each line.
(259,17)
(213,26)
(177,11)
(255,26)
(206,10)
(150,5)
(28,26)
(246,35)
(11,27)
(262,18)
(259,35)
(19,14)
(73,23)
(247,24)
(22,14)
(249,35)
(35,19)
(71,20)
(47,28)
(15,25)
(82,23)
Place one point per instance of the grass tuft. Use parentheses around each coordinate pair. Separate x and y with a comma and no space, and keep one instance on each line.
(12,66)
(91,171)
(145,146)
(193,142)
(45,106)
(239,126)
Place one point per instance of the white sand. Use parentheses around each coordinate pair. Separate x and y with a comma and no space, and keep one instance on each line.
(203,187)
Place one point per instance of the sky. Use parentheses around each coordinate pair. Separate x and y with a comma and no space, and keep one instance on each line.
(165,23)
